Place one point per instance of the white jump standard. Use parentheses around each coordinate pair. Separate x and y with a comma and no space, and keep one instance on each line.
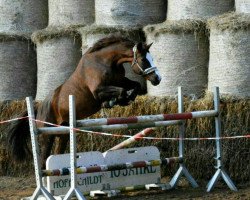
(126,123)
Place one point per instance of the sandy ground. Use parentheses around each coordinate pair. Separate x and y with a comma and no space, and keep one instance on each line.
(13,188)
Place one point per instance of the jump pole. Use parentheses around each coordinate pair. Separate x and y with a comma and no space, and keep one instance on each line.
(220,171)
(73,162)
(40,190)
(182,169)
(133,139)
(104,168)
(134,123)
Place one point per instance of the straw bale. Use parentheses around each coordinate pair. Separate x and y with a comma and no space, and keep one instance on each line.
(242,6)
(199,155)
(197,9)
(229,54)
(71,12)
(180,50)
(130,13)
(23,15)
(58,53)
(17,68)
(91,34)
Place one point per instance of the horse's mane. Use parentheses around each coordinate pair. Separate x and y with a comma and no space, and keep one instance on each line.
(105,42)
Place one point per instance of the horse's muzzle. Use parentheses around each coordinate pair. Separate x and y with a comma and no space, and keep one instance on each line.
(155,78)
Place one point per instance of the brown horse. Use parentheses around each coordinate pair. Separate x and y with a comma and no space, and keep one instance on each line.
(99,80)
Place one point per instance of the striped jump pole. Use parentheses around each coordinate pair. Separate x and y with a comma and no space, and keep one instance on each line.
(122,123)
(145,118)
(103,128)
(133,139)
(104,168)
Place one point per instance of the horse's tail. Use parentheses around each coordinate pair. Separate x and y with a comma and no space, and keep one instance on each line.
(18,138)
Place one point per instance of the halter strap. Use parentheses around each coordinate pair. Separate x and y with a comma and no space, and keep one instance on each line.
(135,62)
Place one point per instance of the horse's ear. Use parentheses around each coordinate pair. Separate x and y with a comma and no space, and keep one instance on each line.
(139,46)
(148,46)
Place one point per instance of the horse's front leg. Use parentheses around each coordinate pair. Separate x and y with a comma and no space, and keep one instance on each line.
(110,95)
(132,88)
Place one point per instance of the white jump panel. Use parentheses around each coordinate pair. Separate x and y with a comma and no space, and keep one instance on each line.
(110,180)
(59,185)
(133,176)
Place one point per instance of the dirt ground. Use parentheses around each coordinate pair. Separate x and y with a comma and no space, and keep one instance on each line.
(14,188)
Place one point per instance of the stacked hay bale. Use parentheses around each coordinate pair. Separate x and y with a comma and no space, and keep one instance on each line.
(17,68)
(181,45)
(64,13)
(181,54)
(58,53)
(242,6)
(197,9)
(18,19)
(129,13)
(58,46)
(229,54)
(23,16)
(93,33)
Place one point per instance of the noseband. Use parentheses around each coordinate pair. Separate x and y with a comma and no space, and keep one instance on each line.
(135,62)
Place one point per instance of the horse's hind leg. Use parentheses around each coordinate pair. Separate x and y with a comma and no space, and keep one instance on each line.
(61,141)
(61,144)
(47,141)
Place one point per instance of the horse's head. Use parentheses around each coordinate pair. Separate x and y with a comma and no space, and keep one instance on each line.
(143,63)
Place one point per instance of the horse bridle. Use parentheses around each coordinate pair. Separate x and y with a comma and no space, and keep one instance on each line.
(135,62)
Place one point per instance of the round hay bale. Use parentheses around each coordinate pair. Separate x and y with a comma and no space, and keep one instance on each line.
(23,15)
(180,52)
(71,12)
(58,53)
(197,9)
(130,13)
(229,54)
(242,6)
(17,68)
(91,34)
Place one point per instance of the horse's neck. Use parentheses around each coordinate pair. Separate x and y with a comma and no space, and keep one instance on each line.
(116,55)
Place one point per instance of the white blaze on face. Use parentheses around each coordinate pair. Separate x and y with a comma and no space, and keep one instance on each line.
(150,60)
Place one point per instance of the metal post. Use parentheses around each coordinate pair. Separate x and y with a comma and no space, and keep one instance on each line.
(182,169)
(220,171)
(73,163)
(35,151)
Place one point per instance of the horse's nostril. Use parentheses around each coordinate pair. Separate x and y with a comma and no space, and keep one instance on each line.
(159,79)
